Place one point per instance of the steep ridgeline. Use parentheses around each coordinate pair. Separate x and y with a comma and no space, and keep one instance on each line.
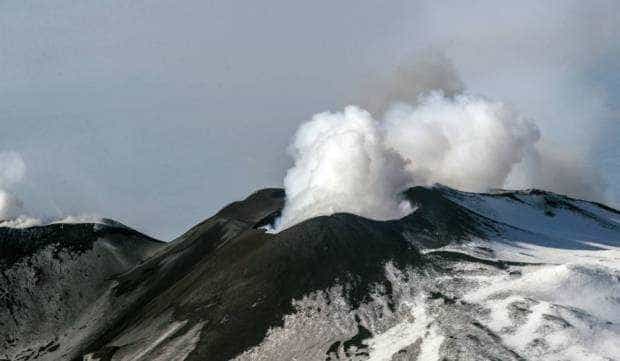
(513,275)
(53,279)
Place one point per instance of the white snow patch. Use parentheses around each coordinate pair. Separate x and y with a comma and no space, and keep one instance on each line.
(405,333)
(24,221)
(572,305)
(83,218)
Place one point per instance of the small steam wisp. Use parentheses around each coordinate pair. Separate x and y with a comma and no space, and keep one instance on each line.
(12,211)
(12,171)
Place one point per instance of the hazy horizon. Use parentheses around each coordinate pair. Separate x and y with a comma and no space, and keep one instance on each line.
(157,114)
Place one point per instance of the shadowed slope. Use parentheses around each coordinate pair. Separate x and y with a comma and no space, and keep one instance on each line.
(52,276)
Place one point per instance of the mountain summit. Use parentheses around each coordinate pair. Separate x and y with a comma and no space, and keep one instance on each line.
(509,275)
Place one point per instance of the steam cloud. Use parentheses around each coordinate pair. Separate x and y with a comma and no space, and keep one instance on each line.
(408,82)
(422,128)
(350,162)
(465,142)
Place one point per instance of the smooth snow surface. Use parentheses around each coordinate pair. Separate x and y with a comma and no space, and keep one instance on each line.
(545,219)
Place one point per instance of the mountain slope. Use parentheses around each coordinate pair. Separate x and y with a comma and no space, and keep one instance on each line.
(513,275)
(53,278)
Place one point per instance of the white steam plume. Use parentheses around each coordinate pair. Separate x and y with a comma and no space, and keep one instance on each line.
(342,164)
(12,171)
(422,118)
(466,142)
(350,162)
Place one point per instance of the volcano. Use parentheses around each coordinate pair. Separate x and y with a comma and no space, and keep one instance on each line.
(507,275)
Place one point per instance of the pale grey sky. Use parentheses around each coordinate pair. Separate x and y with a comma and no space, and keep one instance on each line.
(157,113)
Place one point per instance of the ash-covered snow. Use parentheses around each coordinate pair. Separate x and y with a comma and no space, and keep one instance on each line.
(566,305)
(558,298)
(546,312)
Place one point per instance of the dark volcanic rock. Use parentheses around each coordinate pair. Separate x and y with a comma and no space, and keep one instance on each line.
(17,244)
(51,275)
(268,271)
(238,281)
(322,289)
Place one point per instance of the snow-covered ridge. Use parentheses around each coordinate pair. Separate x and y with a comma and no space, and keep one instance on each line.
(544,218)
(27,222)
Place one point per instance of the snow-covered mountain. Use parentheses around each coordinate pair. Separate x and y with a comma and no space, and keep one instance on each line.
(512,275)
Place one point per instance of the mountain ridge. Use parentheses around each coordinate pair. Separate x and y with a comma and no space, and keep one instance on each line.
(226,289)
